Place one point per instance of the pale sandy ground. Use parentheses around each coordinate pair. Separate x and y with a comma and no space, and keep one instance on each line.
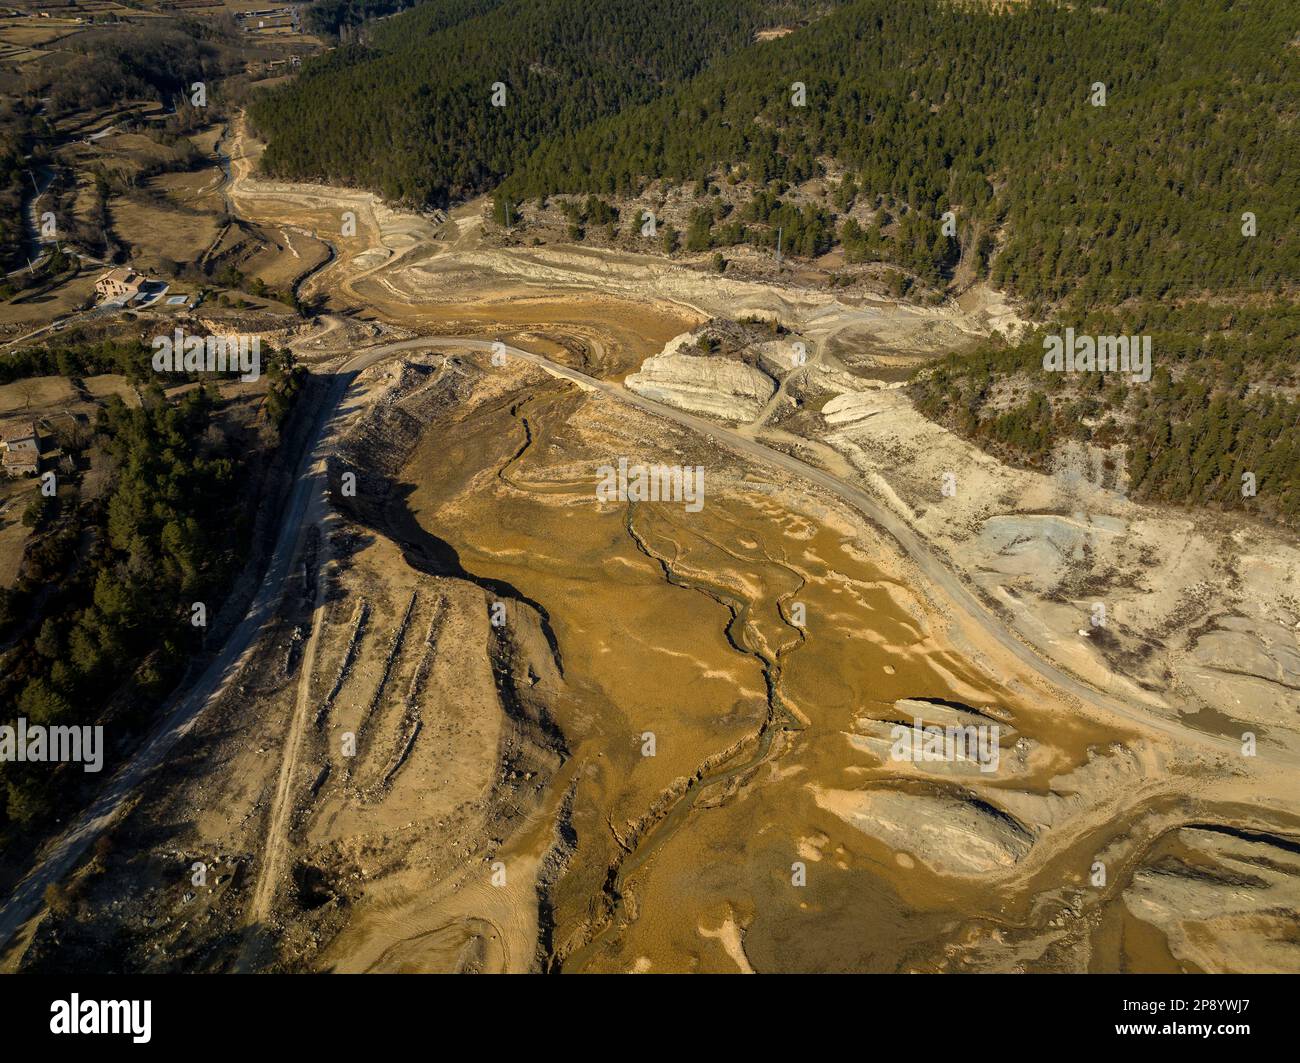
(1205,609)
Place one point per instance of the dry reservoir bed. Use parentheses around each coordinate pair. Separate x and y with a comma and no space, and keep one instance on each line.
(476,795)
(709,783)
(503,724)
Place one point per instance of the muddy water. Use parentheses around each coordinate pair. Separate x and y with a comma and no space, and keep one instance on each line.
(681,626)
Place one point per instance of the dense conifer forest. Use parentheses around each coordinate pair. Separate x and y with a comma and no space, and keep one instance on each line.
(80,630)
(1222,402)
(938,106)
(410,113)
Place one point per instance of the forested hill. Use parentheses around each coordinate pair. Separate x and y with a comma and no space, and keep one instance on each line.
(990,113)
(936,105)
(410,113)
(1171,204)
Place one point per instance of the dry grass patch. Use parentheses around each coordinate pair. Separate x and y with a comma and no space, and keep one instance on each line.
(154,232)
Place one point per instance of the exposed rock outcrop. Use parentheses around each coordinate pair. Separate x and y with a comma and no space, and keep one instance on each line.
(715,387)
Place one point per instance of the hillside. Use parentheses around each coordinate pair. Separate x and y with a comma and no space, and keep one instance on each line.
(936,107)
(928,106)
(1167,200)
(410,114)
